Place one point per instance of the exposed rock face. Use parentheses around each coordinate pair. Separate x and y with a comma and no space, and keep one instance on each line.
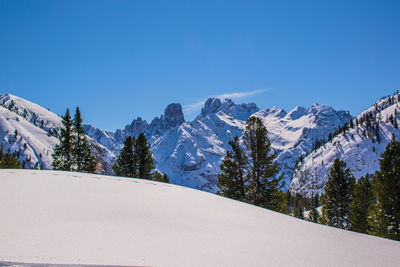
(173,115)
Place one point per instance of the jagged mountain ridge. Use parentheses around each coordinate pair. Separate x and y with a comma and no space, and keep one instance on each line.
(32,131)
(191,152)
(360,147)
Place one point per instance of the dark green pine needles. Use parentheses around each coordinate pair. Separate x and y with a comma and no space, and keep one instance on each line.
(136,159)
(73,153)
(337,197)
(249,171)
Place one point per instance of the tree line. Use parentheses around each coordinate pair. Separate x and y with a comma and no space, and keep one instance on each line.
(249,173)
(370,205)
(73,153)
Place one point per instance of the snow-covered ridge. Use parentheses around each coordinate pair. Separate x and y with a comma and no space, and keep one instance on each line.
(293,134)
(191,152)
(32,131)
(358,147)
(96,219)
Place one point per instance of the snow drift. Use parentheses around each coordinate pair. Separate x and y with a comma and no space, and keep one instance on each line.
(65,217)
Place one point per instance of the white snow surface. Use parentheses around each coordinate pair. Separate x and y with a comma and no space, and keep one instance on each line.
(73,218)
(361,154)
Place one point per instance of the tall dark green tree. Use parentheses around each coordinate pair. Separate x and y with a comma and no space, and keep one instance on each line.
(231,180)
(384,216)
(9,161)
(83,158)
(313,215)
(126,163)
(63,152)
(160,177)
(263,183)
(337,197)
(143,158)
(89,160)
(362,199)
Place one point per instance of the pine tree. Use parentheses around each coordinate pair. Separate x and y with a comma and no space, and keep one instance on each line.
(298,212)
(78,150)
(143,157)
(362,199)
(62,155)
(159,177)
(384,217)
(231,180)
(89,160)
(263,184)
(8,161)
(83,158)
(337,198)
(126,164)
(313,215)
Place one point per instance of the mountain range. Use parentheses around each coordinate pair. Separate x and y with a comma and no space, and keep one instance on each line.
(189,152)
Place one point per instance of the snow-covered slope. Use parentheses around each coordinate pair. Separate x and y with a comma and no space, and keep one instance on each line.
(73,218)
(31,131)
(358,147)
(34,144)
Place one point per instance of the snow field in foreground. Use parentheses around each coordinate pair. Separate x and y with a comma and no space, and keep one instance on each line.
(65,217)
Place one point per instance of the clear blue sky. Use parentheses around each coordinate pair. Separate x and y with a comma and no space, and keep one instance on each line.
(121,59)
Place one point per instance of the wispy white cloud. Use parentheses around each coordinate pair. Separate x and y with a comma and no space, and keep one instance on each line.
(237,95)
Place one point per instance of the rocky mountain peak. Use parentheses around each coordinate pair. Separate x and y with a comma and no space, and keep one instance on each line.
(173,115)
(242,111)
(210,106)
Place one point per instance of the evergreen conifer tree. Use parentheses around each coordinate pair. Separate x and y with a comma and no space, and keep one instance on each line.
(63,154)
(231,180)
(143,157)
(159,177)
(337,198)
(362,199)
(8,161)
(263,184)
(83,157)
(313,215)
(89,160)
(384,218)
(126,164)
(298,212)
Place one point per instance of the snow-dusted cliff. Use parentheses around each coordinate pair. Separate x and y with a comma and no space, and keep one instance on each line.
(360,147)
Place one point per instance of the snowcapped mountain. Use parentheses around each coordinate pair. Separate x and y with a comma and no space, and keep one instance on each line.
(31,131)
(293,134)
(359,146)
(101,220)
(191,152)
